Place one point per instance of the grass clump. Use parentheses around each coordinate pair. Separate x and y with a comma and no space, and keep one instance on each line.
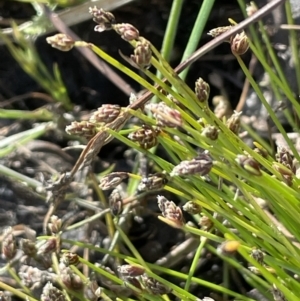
(242,201)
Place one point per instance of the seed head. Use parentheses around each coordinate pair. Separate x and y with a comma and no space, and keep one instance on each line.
(48,246)
(164,115)
(234,122)
(239,44)
(142,54)
(251,9)
(153,182)
(170,211)
(112,180)
(218,31)
(5,296)
(127,270)
(115,202)
(210,132)
(106,113)
(85,129)
(51,293)
(69,258)
(154,286)
(192,207)
(9,247)
(249,164)
(61,41)
(70,279)
(92,291)
(28,247)
(277,294)
(127,31)
(105,19)
(201,165)
(202,90)
(284,157)
(145,136)
(258,255)
(55,224)
(206,223)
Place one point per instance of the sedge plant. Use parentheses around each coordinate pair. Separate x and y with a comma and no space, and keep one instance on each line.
(242,200)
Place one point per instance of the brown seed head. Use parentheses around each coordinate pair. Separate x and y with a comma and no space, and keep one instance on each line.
(201,165)
(106,113)
(84,128)
(202,90)
(69,258)
(105,19)
(142,54)
(145,136)
(239,44)
(249,164)
(61,41)
(153,182)
(154,286)
(127,31)
(51,293)
(127,270)
(112,180)
(164,115)
(192,208)
(9,247)
(115,202)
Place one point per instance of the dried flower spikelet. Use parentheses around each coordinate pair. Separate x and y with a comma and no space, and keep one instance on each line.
(106,113)
(234,122)
(55,224)
(154,286)
(171,212)
(164,115)
(153,182)
(9,247)
(145,136)
(200,165)
(218,31)
(85,129)
(69,258)
(228,247)
(127,270)
(192,207)
(258,255)
(251,9)
(127,31)
(28,247)
(284,157)
(206,223)
(112,180)
(202,90)
(92,291)
(142,54)
(48,246)
(249,164)
(51,293)
(105,19)
(5,296)
(115,202)
(222,106)
(210,132)
(239,44)
(70,279)
(61,42)
(277,294)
